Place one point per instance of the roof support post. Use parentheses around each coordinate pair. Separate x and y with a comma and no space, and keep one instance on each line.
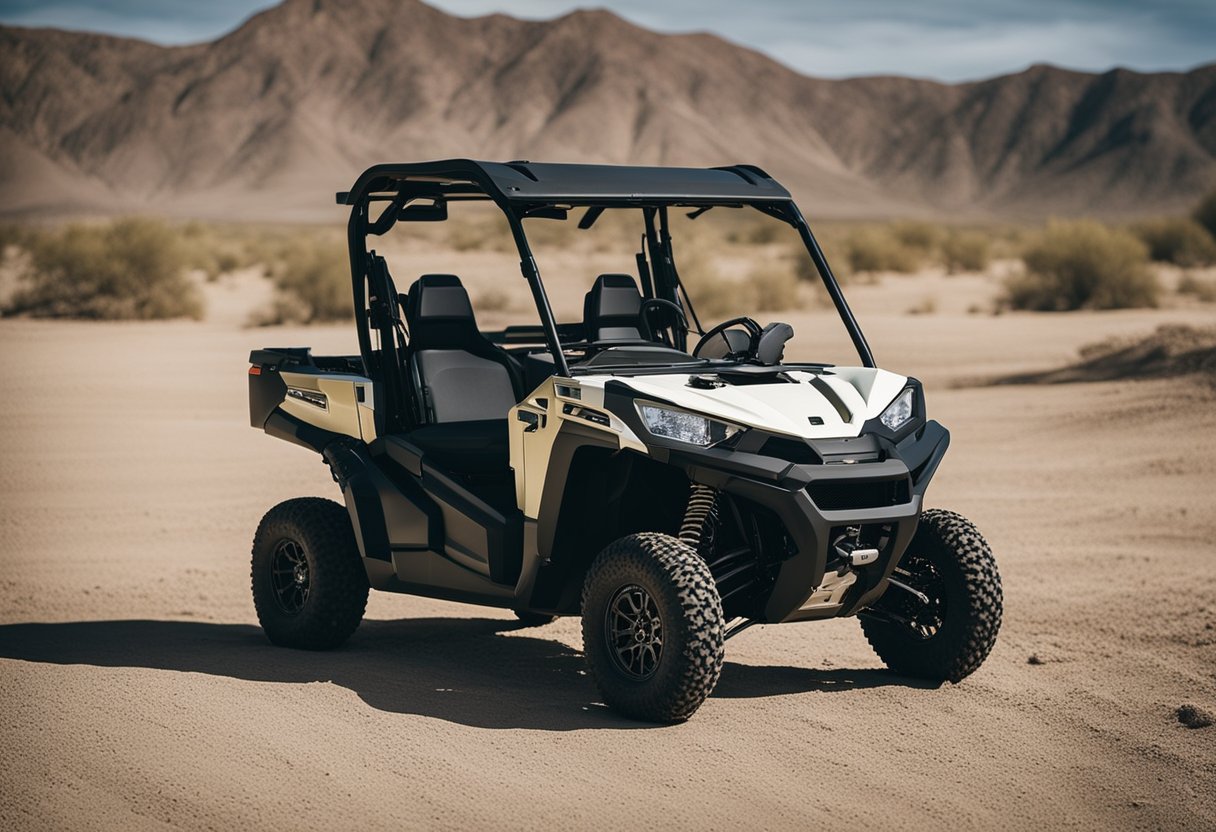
(829,283)
(356,243)
(531,273)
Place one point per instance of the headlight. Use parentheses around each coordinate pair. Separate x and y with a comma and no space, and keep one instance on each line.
(898,412)
(685,427)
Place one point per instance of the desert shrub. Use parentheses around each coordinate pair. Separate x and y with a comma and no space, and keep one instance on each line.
(1084,265)
(492,300)
(467,236)
(965,251)
(922,237)
(714,296)
(925,306)
(872,249)
(1177,240)
(1204,290)
(834,243)
(312,281)
(13,235)
(1009,241)
(1205,213)
(757,231)
(127,269)
(773,288)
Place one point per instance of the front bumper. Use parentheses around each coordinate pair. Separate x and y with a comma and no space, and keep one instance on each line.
(816,503)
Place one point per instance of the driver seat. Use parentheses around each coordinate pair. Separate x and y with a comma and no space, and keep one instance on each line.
(465,384)
(612,310)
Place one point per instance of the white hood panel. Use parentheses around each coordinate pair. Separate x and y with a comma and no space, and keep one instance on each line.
(861,393)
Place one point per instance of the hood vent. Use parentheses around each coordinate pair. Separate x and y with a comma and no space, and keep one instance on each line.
(829,393)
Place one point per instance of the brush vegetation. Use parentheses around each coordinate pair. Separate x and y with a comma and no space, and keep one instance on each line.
(732,261)
(130,269)
(1083,264)
(1178,240)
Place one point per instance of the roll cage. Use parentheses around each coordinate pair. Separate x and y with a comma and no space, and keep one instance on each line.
(387,194)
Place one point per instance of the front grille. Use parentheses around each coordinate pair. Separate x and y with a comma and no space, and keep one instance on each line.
(790,450)
(842,495)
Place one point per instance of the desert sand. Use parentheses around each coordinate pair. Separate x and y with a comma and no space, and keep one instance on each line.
(139,693)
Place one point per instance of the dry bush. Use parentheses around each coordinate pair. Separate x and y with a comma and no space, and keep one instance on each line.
(218,250)
(755,230)
(1009,241)
(773,288)
(966,251)
(925,306)
(877,249)
(1203,290)
(126,269)
(922,237)
(12,234)
(713,295)
(493,300)
(477,231)
(312,280)
(615,230)
(465,236)
(1177,240)
(1205,213)
(1084,265)
(834,242)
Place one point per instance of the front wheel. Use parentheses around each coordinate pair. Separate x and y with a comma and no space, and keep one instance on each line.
(309,586)
(942,623)
(653,628)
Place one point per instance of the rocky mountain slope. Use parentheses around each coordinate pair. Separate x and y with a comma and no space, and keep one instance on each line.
(268,120)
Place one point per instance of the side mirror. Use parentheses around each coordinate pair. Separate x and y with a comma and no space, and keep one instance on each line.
(771,348)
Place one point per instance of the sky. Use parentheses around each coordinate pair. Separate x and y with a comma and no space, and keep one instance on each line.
(950,40)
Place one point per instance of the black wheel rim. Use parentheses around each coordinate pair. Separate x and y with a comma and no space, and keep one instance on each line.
(634,631)
(289,576)
(920,621)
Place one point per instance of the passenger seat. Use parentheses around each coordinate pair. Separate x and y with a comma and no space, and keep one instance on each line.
(612,310)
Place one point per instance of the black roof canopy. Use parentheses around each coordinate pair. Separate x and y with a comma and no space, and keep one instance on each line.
(534,182)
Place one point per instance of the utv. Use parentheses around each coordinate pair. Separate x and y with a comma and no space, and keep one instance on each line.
(669,483)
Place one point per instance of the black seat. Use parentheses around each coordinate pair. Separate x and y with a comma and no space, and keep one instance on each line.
(465,383)
(612,310)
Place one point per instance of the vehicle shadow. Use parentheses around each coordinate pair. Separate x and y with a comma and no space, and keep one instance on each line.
(469,671)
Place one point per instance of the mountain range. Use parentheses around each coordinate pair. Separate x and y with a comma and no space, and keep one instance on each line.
(269,120)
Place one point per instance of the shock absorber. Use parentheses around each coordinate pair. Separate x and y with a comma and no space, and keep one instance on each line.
(699,516)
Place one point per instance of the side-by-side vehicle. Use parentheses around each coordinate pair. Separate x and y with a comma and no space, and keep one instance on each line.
(671,483)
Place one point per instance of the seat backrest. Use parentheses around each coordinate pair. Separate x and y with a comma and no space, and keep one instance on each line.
(612,309)
(459,374)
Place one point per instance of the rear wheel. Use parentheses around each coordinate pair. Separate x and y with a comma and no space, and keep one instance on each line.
(653,627)
(945,627)
(309,586)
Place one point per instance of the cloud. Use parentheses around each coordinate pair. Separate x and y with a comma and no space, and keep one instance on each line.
(160,21)
(944,39)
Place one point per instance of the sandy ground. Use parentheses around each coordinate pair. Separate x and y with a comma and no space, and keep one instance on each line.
(139,693)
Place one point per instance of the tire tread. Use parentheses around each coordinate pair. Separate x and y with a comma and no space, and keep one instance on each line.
(955,659)
(338,596)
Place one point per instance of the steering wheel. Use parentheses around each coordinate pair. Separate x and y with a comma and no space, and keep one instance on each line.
(753,331)
(659,303)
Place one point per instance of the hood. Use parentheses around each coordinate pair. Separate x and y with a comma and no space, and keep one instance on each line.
(841,399)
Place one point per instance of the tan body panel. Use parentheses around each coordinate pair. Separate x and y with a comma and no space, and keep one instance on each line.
(343,412)
(532,441)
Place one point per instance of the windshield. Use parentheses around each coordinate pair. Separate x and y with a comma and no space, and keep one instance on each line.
(730,261)
(616,301)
